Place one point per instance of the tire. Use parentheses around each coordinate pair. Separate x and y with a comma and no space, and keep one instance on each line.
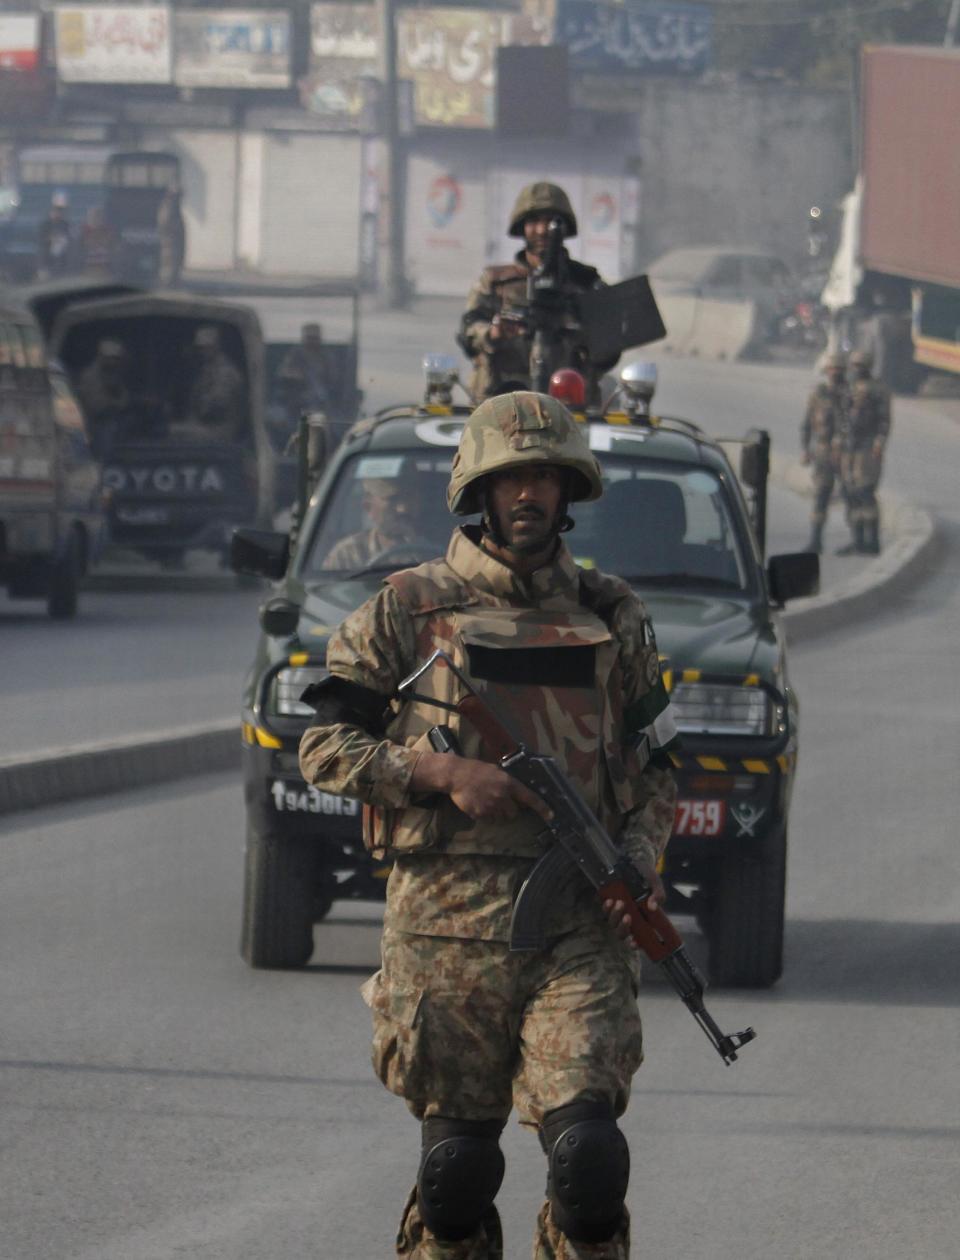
(64,591)
(279,900)
(745,923)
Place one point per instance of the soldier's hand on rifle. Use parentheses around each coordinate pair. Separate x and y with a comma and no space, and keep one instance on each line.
(506,326)
(616,912)
(479,789)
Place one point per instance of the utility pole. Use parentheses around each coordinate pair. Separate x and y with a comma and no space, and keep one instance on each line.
(953,20)
(393,281)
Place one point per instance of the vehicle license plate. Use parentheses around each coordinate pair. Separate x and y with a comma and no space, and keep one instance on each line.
(143,516)
(699,818)
(298,798)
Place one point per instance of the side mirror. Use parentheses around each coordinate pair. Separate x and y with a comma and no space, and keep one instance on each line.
(259,551)
(279,617)
(793,575)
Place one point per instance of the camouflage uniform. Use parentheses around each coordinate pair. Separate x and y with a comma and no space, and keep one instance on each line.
(863,439)
(504,288)
(356,550)
(104,396)
(215,403)
(820,433)
(463,1028)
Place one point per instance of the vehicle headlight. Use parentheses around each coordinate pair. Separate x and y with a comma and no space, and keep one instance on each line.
(723,709)
(289,685)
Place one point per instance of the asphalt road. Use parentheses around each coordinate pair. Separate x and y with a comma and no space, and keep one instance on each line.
(159,1100)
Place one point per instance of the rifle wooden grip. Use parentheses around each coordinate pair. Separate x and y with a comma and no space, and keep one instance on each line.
(498,740)
(651,929)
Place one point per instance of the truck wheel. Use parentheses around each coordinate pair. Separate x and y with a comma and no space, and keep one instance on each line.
(279,900)
(65,581)
(745,924)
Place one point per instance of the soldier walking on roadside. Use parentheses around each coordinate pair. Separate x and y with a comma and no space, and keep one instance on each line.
(465,1029)
(863,441)
(494,333)
(820,434)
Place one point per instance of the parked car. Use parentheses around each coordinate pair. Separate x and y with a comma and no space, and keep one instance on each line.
(676,524)
(51,501)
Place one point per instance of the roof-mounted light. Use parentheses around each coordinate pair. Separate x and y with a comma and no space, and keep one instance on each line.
(441,373)
(569,387)
(638,384)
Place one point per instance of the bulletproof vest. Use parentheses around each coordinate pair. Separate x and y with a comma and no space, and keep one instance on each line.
(827,413)
(867,403)
(553,679)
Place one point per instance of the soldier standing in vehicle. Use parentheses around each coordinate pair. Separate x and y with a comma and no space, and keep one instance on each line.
(820,435)
(215,400)
(303,373)
(494,331)
(56,239)
(172,236)
(464,1029)
(863,442)
(105,395)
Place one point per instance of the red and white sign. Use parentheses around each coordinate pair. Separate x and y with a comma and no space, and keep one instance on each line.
(700,818)
(113,44)
(19,41)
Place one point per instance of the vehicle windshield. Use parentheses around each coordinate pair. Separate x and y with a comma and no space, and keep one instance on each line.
(658,525)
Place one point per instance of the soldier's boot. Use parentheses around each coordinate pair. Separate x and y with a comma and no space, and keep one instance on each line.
(870,544)
(816,538)
(855,544)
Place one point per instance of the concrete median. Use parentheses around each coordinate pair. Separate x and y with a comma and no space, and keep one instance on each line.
(53,775)
(707,327)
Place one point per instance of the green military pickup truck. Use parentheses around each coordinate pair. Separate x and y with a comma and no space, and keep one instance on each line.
(679,524)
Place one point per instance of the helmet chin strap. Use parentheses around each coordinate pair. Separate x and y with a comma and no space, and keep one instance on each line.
(490,527)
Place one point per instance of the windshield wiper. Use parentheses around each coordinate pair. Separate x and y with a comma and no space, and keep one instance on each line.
(680,579)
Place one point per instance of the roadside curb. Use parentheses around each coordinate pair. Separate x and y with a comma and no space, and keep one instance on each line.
(53,776)
(910,543)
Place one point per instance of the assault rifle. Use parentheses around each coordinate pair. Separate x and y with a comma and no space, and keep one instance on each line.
(578,842)
(550,312)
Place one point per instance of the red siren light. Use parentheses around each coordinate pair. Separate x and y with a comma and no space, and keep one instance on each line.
(569,387)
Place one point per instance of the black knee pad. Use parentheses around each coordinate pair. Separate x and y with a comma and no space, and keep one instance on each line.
(461,1168)
(588,1170)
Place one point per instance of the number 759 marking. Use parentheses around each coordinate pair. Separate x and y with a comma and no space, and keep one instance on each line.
(699,818)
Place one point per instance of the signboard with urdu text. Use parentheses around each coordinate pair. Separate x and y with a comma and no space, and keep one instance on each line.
(113,43)
(605,36)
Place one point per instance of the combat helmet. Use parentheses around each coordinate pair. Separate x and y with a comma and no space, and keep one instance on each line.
(543,198)
(862,359)
(513,430)
(835,362)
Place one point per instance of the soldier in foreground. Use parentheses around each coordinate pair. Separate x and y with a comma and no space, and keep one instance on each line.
(495,330)
(464,1029)
(820,434)
(863,441)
